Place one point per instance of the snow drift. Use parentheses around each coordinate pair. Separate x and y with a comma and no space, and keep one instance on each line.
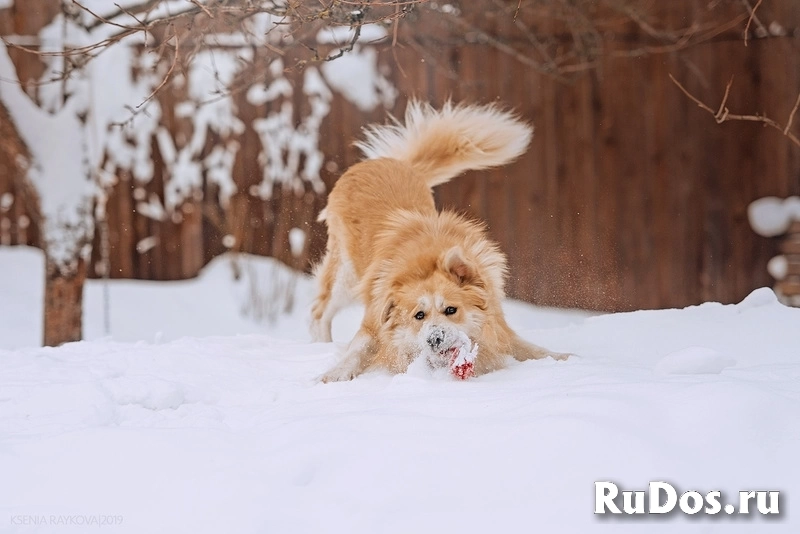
(233,433)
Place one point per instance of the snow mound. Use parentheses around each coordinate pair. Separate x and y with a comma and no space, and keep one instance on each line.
(694,360)
(763,296)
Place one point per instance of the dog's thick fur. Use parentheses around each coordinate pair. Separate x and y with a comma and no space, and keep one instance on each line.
(389,248)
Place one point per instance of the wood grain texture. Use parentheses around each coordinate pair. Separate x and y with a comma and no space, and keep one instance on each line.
(630,196)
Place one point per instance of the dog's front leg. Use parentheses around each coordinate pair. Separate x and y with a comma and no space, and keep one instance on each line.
(355,359)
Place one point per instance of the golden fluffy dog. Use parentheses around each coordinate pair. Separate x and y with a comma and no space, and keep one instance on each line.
(432,282)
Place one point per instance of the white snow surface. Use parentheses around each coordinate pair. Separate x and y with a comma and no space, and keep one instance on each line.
(219,424)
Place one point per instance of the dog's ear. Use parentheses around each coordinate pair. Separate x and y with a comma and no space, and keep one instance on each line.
(461,269)
(387,310)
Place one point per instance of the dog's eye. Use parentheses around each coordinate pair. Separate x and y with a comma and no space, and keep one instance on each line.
(420,315)
(450,310)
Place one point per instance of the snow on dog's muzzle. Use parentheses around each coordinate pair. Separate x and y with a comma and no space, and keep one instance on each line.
(436,338)
(452,348)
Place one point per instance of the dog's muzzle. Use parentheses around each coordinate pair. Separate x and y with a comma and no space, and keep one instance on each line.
(436,338)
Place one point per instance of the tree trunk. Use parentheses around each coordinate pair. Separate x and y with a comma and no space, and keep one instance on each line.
(63,303)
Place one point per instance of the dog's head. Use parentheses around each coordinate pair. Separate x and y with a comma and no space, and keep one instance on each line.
(429,304)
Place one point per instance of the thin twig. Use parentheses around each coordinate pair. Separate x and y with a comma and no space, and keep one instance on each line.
(723,111)
(723,114)
(687,40)
(791,116)
(395,32)
(167,75)
(204,8)
(101,18)
(752,11)
(691,96)
(348,48)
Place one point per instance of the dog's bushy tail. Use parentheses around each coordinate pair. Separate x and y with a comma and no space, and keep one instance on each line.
(441,144)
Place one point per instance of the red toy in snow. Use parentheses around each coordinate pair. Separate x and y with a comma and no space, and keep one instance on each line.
(461,360)
(460,370)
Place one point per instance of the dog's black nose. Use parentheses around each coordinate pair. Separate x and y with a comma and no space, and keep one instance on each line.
(436,338)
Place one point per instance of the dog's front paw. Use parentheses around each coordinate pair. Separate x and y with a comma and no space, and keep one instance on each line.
(560,356)
(354,359)
(343,371)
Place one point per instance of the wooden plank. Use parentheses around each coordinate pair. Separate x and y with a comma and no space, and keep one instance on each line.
(498,182)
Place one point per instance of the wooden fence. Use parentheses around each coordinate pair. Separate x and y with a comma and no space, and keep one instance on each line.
(630,197)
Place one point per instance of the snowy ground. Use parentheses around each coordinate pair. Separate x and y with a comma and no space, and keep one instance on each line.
(161,428)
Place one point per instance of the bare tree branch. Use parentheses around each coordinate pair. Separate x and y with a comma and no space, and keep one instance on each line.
(167,76)
(569,41)
(791,116)
(723,114)
(752,10)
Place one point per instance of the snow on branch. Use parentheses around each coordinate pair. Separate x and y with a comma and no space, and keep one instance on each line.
(93,117)
(194,17)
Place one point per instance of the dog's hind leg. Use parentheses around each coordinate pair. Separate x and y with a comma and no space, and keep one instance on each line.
(321,312)
(334,278)
(521,350)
